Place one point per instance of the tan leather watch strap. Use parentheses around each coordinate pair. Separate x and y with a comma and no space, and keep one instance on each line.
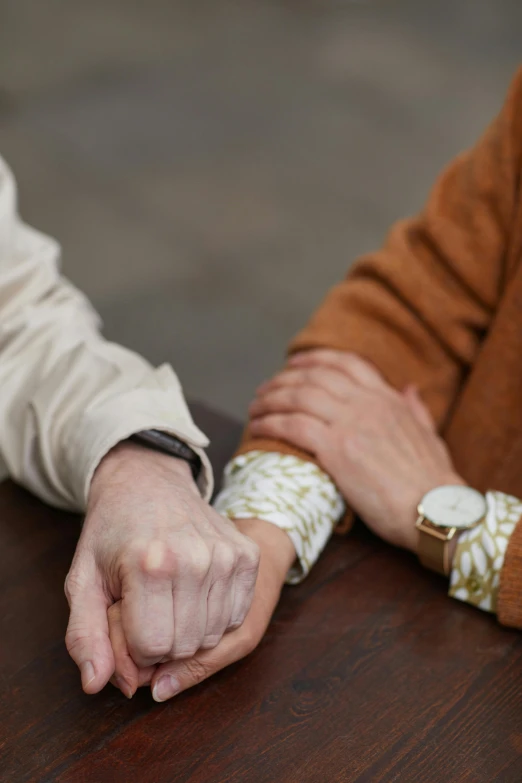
(434,546)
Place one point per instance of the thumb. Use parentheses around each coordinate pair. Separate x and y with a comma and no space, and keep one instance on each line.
(87,638)
(176,676)
(417,407)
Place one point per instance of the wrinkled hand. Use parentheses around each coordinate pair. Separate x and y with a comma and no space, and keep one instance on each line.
(169,679)
(185,574)
(380,446)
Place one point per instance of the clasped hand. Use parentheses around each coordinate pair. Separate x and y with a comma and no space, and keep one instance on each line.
(182,574)
(379,445)
(164,591)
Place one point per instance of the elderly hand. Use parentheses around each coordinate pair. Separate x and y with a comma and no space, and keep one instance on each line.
(170,678)
(185,574)
(378,445)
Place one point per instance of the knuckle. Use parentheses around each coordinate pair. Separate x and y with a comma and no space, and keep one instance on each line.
(74,638)
(224,561)
(249,560)
(197,670)
(77,636)
(157,559)
(153,558)
(73,584)
(239,617)
(68,588)
(199,560)
(250,555)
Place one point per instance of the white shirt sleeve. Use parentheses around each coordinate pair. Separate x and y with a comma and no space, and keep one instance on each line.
(67,396)
(293,494)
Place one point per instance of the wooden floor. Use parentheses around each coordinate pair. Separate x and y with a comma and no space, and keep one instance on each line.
(208,164)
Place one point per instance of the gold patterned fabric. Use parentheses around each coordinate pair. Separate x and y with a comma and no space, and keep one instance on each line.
(480,553)
(301,499)
(291,493)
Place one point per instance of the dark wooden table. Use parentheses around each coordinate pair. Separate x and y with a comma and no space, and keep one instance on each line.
(367,673)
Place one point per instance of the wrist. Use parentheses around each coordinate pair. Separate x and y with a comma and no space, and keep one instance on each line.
(275,545)
(410,534)
(127,461)
(407,535)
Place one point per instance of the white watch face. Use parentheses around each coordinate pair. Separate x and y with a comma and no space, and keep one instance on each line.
(453,506)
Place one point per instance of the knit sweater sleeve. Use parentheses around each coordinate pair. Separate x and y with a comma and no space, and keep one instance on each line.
(419,307)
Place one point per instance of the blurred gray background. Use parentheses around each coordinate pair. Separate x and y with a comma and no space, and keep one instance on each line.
(212,168)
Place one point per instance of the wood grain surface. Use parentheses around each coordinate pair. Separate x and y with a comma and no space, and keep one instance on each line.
(368,672)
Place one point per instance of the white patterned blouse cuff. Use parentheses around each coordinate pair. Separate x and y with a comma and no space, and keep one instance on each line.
(293,494)
(480,553)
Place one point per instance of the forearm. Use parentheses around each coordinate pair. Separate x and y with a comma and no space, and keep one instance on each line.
(275,544)
(67,395)
(388,310)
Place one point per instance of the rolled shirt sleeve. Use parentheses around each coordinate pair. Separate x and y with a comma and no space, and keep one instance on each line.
(67,396)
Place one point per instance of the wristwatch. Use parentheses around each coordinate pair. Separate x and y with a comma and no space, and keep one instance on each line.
(442,512)
(169,444)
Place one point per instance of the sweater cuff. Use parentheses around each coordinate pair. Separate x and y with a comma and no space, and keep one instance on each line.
(509,608)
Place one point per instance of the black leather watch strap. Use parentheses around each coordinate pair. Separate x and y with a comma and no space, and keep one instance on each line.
(169,444)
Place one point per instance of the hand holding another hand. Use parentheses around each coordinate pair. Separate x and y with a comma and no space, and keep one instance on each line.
(183,573)
(171,677)
(379,445)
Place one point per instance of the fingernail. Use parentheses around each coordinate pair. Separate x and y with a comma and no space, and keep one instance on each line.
(124,687)
(88,673)
(166,687)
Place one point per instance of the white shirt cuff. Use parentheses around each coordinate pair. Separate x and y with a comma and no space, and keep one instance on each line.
(289,492)
(479,556)
(103,426)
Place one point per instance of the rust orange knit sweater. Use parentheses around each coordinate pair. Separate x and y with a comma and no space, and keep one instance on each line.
(440,305)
